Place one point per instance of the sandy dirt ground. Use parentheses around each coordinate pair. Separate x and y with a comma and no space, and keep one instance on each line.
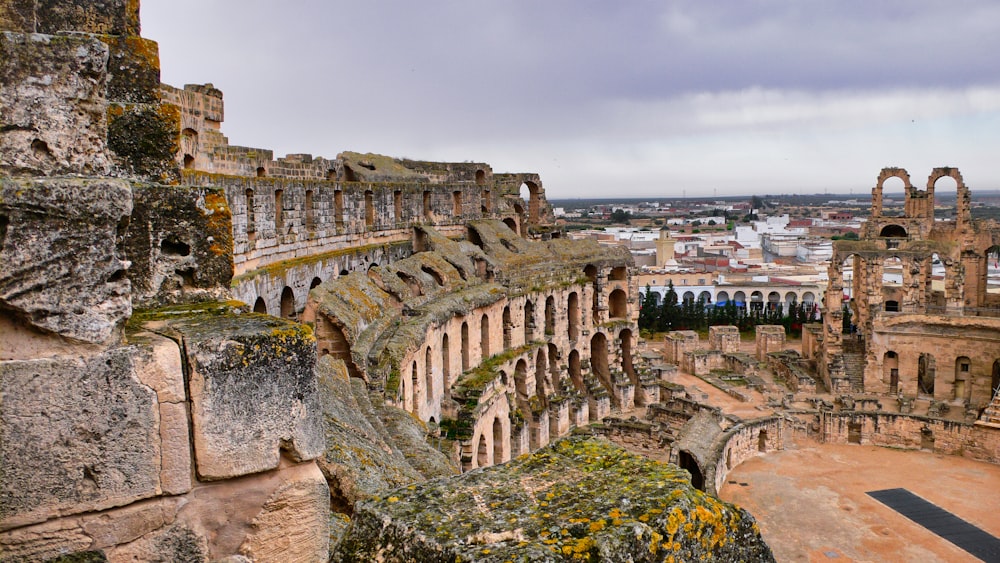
(810,501)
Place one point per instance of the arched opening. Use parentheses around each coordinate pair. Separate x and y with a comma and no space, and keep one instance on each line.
(338,210)
(756,301)
(573,315)
(498,456)
(480,177)
(550,316)
(260,306)
(456,203)
(925,374)
(507,327)
(331,174)
(893,197)
(287,303)
(188,162)
(704,298)
(486,204)
(465,346)
(369,209)
(962,390)
(428,212)
(625,337)
(530,193)
(740,298)
(261,172)
(890,371)
(945,187)
(892,231)
(315,283)
(414,385)
(484,336)
(599,363)
(762,441)
(575,373)
(279,211)
(618,273)
(722,298)
(511,224)
(434,274)
(521,384)
(411,283)
(791,300)
(310,214)
(618,304)
(554,379)
(774,301)
(397,206)
(349,174)
(590,272)
(529,322)
(429,375)
(688,298)
(687,461)
(446,366)
(251,222)
(483,455)
(542,384)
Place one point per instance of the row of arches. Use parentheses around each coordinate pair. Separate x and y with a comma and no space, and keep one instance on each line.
(921,374)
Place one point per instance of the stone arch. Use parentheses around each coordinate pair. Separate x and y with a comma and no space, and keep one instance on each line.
(773,301)
(550,316)
(521,384)
(618,304)
(279,211)
(599,363)
(529,321)
(762,440)
(688,297)
(414,385)
(260,306)
(428,374)
(434,274)
(879,189)
(722,297)
(287,303)
(704,297)
(480,177)
(575,371)
(534,200)
(446,365)
(484,336)
(687,461)
(261,171)
(483,452)
(511,223)
(625,338)
(893,231)
(315,283)
(890,371)
(542,384)
(573,315)
(369,209)
(553,357)
(757,301)
(498,455)
(507,327)
(791,299)
(740,298)
(926,374)
(188,161)
(590,272)
(465,346)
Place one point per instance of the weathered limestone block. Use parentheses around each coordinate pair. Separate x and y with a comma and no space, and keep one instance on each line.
(252,386)
(77,435)
(293,525)
(52,105)
(176,543)
(180,242)
(112,17)
(62,271)
(580,497)
(133,69)
(143,139)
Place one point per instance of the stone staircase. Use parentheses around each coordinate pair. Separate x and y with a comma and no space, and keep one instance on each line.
(991,415)
(854,363)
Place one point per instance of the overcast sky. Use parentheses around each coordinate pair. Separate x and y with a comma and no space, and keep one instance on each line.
(609,98)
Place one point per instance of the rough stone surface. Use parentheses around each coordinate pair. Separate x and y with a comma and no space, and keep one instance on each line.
(579,498)
(62,270)
(76,435)
(293,523)
(180,243)
(176,543)
(115,17)
(252,386)
(52,105)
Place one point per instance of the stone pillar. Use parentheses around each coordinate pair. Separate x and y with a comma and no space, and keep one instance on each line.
(724,338)
(770,338)
(678,342)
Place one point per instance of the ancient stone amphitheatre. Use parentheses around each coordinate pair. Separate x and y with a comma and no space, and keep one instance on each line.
(212,354)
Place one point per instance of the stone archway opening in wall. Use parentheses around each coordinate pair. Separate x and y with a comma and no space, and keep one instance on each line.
(188,162)
(533,198)
(543,385)
(722,298)
(521,384)
(484,336)
(550,316)
(511,224)
(480,177)
(688,297)
(892,231)
(740,298)
(687,461)
(315,283)
(414,385)
(575,373)
(893,194)
(465,346)
(890,371)
(287,303)
(428,375)
(926,371)
(762,440)
(483,452)
(625,337)
(446,365)
(529,322)
(946,187)
(599,363)
(757,301)
(573,315)
(590,272)
(618,304)
(508,328)
(260,306)
(774,301)
(498,456)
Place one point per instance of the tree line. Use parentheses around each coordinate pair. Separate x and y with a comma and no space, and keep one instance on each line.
(696,315)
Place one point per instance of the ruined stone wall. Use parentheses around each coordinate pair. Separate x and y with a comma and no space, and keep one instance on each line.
(742,442)
(974,441)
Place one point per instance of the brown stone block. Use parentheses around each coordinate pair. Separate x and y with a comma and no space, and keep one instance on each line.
(111,17)
(293,523)
(76,435)
(133,69)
